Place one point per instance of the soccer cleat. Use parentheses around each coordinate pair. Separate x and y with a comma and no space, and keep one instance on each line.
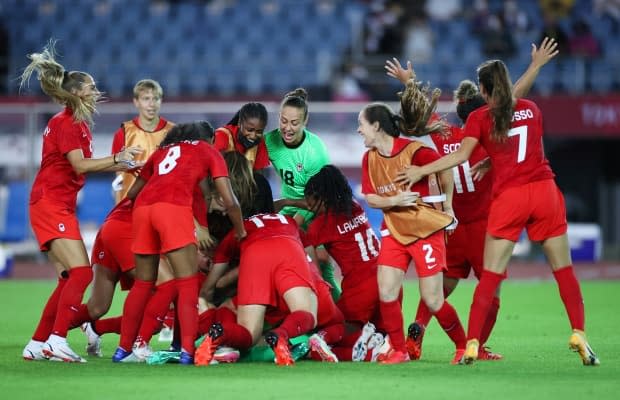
(166,334)
(395,357)
(578,343)
(32,351)
(360,347)
(318,345)
(206,350)
(186,358)
(280,348)
(458,357)
(93,348)
(485,354)
(57,349)
(471,352)
(381,352)
(415,334)
(141,351)
(120,354)
(225,354)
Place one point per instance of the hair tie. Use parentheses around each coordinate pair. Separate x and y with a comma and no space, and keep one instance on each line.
(65,75)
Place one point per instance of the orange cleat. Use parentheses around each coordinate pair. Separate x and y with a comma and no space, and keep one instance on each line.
(204,353)
(485,354)
(415,334)
(395,357)
(458,357)
(280,348)
(578,343)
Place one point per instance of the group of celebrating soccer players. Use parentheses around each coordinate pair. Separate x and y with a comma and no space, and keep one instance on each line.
(201,245)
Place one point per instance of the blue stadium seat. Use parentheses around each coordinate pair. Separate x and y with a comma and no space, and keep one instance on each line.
(15,226)
(95,201)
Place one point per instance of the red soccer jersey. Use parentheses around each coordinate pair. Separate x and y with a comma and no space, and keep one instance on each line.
(521,158)
(471,200)
(118,142)
(56,180)
(221,143)
(350,241)
(260,226)
(173,172)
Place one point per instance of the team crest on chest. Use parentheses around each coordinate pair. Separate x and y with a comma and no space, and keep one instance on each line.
(300,167)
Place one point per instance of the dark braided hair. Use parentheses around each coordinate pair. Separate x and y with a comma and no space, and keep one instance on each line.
(331,187)
(199,130)
(248,111)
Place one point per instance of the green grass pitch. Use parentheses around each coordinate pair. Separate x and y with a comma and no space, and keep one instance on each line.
(532,334)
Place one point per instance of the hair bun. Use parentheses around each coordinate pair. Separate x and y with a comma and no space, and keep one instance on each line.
(465,91)
(299,92)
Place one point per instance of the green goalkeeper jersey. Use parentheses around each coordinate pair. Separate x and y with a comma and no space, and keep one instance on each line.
(296,165)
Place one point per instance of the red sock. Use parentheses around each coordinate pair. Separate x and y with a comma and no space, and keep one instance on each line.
(48,316)
(333,333)
(71,298)
(570,292)
(156,309)
(350,338)
(236,336)
(225,315)
(108,325)
(187,311)
(483,297)
(133,310)
(490,321)
(170,317)
(449,320)
(423,315)
(81,316)
(205,320)
(295,324)
(392,316)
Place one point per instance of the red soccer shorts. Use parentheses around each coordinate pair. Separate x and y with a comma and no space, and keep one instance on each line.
(360,303)
(537,206)
(112,249)
(268,268)
(465,250)
(429,255)
(53,220)
(162,227)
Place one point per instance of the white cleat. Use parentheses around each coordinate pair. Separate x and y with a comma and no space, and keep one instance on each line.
(318,345)
(57,349)
(32,351)
(225,354)
(360,347)
(93,348)
(381,349)
(140,352)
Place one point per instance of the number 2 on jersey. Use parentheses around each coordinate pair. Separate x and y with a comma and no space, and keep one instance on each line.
(170,161)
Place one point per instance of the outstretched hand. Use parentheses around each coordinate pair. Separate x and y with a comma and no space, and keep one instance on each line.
(410,175)
(547,50)
(406,198)
(480,169)
(395,70)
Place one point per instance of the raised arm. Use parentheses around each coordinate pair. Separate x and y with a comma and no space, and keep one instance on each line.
(540,56)
(395,70)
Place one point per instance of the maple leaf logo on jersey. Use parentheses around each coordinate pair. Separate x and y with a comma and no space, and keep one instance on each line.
(300,167)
